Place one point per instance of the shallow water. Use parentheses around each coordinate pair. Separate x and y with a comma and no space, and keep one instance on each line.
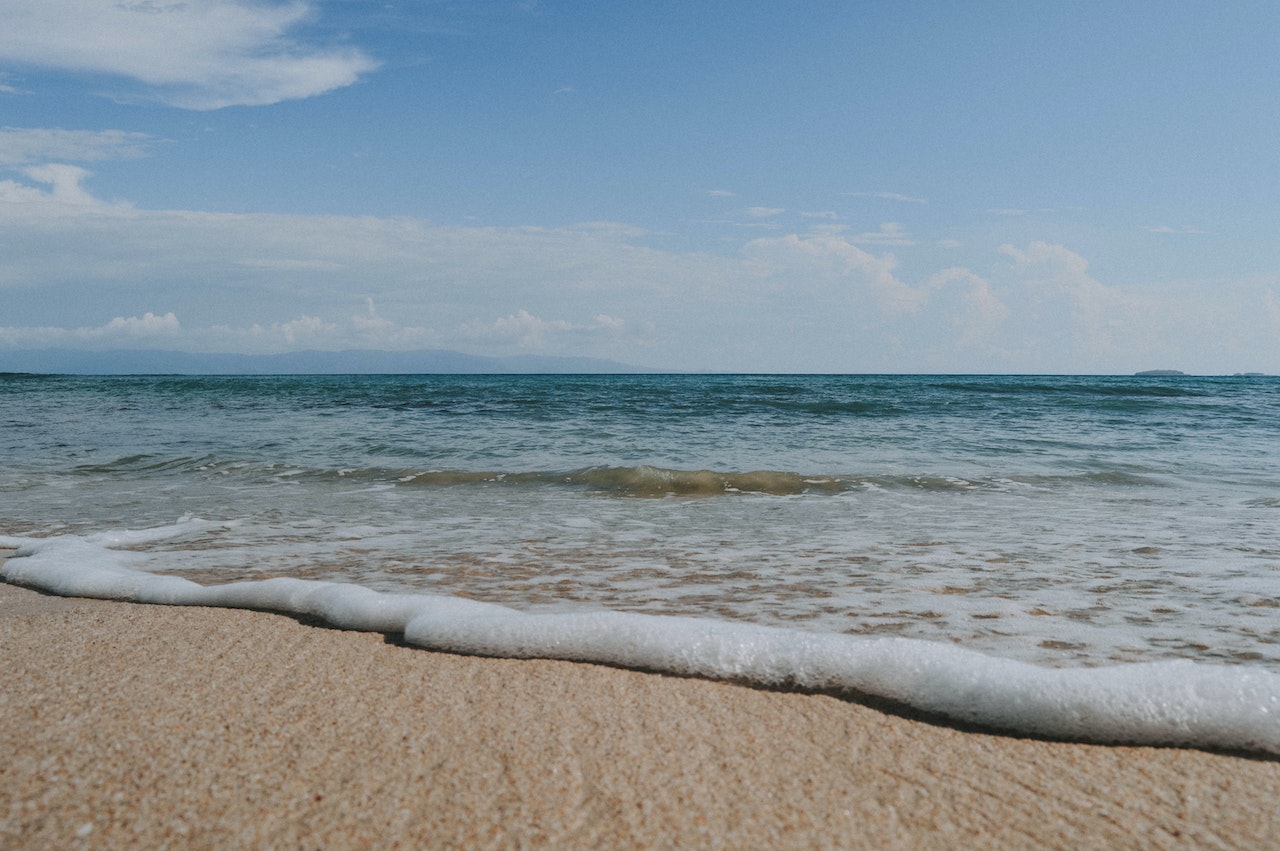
(1065,521)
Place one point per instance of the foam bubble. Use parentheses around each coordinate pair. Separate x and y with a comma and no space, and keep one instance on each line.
(1167,703)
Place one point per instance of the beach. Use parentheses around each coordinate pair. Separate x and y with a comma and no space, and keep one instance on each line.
(126,725)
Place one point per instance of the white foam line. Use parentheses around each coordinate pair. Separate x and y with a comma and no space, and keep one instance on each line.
(1162,703)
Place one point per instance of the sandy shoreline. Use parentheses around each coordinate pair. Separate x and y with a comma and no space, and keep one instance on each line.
(125,725)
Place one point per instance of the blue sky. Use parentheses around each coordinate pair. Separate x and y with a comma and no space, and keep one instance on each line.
(755,186)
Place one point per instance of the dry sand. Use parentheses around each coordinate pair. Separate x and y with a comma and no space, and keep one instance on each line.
(129,726)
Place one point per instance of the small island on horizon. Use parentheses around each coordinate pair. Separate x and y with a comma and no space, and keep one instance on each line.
(1179,373)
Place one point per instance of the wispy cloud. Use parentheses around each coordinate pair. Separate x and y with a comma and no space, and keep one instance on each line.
(533,332)
(361,330)
(888,196)
(27,145)
(764,212)
(890,233)
(196,54)
(1168,229)
(721,193)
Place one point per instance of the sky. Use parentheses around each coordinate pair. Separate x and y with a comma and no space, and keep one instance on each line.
(970,187)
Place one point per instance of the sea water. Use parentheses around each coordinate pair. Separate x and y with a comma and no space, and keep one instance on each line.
(1093,557)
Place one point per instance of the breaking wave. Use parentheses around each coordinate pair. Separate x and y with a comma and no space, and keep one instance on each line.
(1161,703)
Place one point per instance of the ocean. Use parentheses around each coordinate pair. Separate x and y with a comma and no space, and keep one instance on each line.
(1087,557)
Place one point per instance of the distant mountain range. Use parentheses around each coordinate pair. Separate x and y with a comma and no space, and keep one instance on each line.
(352,361)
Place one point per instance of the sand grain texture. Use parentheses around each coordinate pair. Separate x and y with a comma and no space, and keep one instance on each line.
(125,726)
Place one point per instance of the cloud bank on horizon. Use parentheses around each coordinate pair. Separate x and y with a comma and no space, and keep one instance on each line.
(861,190)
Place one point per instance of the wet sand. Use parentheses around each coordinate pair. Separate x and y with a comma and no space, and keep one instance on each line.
(128,726)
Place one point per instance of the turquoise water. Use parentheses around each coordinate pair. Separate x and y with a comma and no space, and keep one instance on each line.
(1066,521)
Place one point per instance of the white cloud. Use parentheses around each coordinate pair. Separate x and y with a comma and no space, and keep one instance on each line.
(29,145)
(890,233)
(816,301)
(147,329)
(534,333)
(371,321)
(805,261)
(1008,211)
(65,194)
(1066,313)
(146,325)
(529,330)
(65,197)
(65,180)
(367,330)
(196,54)
(979,313)
(764,212)
(304,328)
(227,262)
(374,331)
(1096,323)
(13,194)
(721,193)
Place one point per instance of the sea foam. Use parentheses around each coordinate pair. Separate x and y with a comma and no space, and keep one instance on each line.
(1176,702)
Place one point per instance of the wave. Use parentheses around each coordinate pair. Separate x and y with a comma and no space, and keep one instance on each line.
(647,481)
(641,480)
(1106,387)
(1178,702)
(147,463)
